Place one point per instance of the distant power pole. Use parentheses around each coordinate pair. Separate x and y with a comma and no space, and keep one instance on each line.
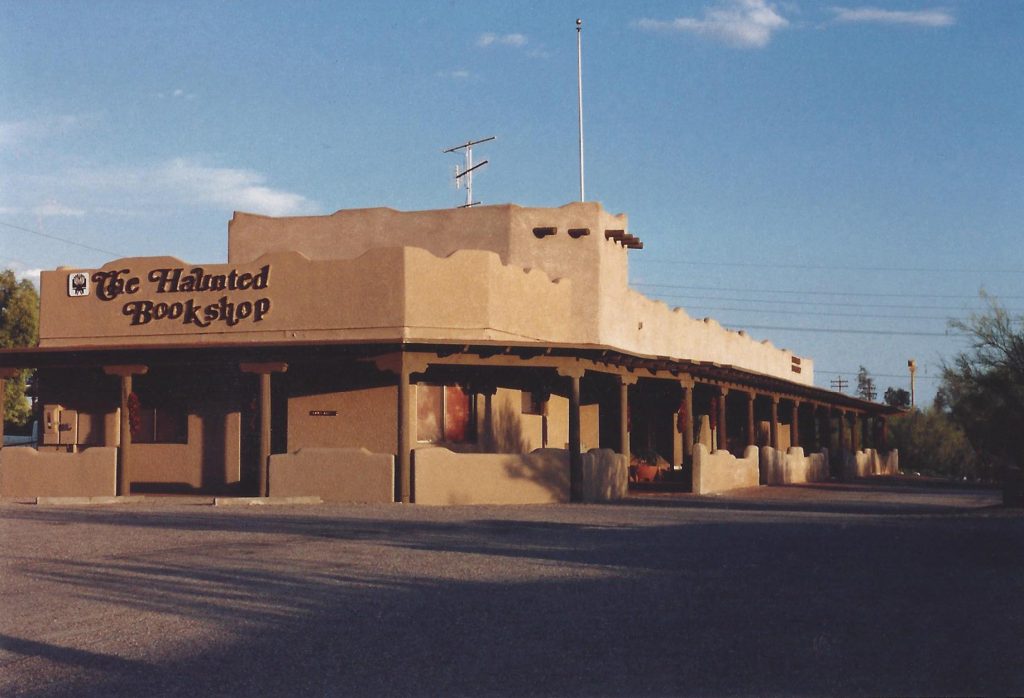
(839,384)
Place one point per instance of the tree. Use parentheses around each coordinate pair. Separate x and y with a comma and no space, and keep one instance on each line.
(19,327)
(865,385)
(930,442)
(897,397)
(983,388)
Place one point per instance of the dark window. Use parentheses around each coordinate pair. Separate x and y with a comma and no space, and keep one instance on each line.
(162,426)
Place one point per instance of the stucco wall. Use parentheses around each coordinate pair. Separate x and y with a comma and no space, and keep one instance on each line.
(721,471)
(540,477)
(26,472)
(366,418)
(210,461)
(605,475)
(871,462)
(444,477)
(334,475)
(475,275)
(792,466)
(516,432)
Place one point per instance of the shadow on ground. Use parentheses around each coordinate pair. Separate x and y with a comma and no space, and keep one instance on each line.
(624,600)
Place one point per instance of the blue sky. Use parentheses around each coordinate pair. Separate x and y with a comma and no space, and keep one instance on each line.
(840,178)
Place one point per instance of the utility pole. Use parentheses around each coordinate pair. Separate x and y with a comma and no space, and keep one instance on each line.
(839,384)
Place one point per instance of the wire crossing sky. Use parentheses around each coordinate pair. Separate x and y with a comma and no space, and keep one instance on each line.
(838,178)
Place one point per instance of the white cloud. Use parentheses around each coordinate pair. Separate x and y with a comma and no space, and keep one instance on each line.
(739,23)
(920,18)
(491,39)
(16,132)
(459,74)
(50,209)
(234,188)
(21,270)
(180,183)
(176,93)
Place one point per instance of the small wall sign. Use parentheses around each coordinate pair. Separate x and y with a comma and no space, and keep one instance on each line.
(78,284)
(323,413)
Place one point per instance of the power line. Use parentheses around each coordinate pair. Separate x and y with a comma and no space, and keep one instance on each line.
(60,239)
(836,330)
(893,306)
(822,267)
(875,375)
(814,293)
(831,313)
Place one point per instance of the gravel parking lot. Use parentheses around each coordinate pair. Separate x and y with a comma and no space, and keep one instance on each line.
(807,590)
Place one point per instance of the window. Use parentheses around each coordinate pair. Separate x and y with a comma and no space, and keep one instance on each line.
(161,425)
(444,413)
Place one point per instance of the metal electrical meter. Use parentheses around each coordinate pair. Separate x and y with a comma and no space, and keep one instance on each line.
(60,426)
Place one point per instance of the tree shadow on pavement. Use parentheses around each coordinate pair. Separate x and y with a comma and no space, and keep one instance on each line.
(384,605)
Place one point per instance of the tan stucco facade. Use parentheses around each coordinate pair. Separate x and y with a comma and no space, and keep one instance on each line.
(480,274)
(467,336)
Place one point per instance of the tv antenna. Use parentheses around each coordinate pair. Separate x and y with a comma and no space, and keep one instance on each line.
(465,175)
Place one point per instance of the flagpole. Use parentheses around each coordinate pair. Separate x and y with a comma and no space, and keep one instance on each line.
(579,91)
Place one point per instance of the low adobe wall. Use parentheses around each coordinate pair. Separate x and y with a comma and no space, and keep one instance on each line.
(792,466)
(605,475)
(721,471)
(541,477)
(26,472)
(334,475)
(870,462)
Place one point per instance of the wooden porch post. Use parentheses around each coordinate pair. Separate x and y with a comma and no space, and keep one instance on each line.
(794,436)
(124,481)
(687,385)
(775,422)
(574,374)
(405,411)
(624,383)
(751,433)
(723,433)
(264,371)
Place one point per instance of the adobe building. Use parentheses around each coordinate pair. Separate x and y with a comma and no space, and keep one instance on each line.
(487,354)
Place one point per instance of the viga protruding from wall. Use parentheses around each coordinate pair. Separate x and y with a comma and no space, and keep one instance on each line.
(721,471)
(334,475)
(541,477)
(26,472)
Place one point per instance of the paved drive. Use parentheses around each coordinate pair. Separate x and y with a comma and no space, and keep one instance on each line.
(813,590)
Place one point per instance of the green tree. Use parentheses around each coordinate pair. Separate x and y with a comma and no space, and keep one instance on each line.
(983,388)
(865,385)
(930,442)
(19,327)
(897,397)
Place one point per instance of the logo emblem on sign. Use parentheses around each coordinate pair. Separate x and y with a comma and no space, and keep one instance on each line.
(78,284)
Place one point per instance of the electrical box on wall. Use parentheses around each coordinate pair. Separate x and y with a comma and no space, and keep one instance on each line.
(60,426)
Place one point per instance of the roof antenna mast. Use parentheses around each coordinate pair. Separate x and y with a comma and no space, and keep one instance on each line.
(465,175)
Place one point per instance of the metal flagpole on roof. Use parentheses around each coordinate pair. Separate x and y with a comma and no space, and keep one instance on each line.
(579,92)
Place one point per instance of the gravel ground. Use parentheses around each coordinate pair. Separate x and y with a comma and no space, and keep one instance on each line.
(813,590)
